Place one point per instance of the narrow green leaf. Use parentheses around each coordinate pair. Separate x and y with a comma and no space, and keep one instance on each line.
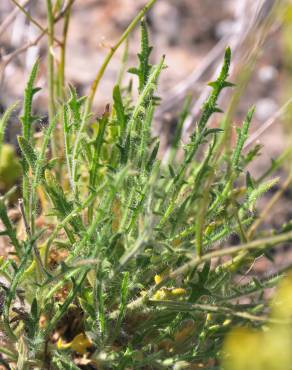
(28,152)
(27,118)
(119,108)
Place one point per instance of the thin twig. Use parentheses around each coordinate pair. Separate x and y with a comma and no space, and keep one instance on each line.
(32,20)
(6,59)
(184,306)
(196,261)
(267,124)
(112,51)
(25,221)
(269,206)
(51,75)
(63,50)
(10,18)
(256,244)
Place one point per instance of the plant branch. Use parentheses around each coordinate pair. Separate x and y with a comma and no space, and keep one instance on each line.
(6,59)
(198,260)
(51,72)
(185,306)
(32,20)
(256,244)
(10,18)
(269,206)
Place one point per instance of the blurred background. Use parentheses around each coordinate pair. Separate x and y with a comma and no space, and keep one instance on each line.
(193,35)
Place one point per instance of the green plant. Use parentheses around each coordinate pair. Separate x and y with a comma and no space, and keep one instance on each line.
(121,271)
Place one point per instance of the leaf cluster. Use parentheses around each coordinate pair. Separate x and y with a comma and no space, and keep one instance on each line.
(123,223)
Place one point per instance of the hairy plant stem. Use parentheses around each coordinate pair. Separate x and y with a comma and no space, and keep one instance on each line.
(269,206)
(268,242)
(62,64)
(188,307)
(62,79)
(51,74)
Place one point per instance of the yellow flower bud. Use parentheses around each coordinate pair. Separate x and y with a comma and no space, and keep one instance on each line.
(178,292)
(79,344)
(161,294)
(157,279)
(209,317)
